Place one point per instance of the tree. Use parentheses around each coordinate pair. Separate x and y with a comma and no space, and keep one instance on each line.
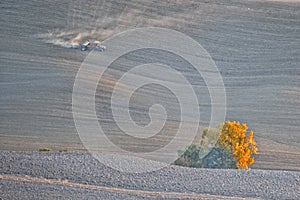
(233,136)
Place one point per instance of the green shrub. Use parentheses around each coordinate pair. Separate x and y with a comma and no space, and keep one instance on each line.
(45,149)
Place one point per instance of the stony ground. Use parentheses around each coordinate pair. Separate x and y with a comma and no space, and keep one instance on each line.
(42,175)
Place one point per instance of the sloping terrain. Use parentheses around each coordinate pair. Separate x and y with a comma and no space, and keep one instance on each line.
(254,44)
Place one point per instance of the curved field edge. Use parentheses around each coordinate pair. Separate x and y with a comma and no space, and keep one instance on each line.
(82,171)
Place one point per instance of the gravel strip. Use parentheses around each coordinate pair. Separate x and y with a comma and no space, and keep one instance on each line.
(84,169)
(25,190)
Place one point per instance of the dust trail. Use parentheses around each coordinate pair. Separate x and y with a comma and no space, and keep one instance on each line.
(102,21)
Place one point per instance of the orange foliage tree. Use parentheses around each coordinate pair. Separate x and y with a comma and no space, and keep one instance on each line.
(233,136)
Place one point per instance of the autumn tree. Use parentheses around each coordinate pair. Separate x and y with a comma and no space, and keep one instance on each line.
(235,138)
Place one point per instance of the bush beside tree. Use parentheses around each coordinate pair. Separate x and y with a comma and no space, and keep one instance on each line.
(229,147)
